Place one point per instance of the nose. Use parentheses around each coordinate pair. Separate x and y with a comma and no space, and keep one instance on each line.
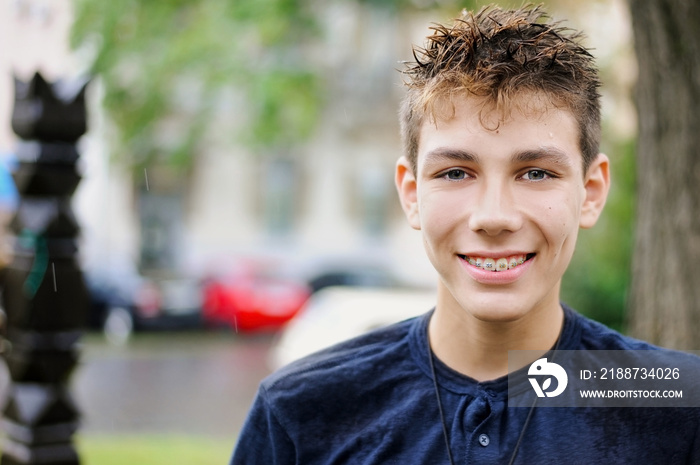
(494,210)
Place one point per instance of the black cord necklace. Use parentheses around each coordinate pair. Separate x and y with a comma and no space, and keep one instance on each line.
(445,433)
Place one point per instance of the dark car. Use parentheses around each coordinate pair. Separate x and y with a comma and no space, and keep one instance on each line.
(353,276)
(121,303)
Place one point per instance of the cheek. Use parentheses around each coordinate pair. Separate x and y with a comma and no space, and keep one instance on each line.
(440,214)
(561,210)
(559,223)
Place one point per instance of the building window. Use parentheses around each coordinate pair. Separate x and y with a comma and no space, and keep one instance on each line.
(278,180)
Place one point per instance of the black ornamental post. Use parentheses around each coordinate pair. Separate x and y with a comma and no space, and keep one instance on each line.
(44,295)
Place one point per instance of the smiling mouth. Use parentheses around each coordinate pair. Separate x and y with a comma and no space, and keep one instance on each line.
(497,264)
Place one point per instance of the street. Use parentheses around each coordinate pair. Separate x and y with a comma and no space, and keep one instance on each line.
(190,383)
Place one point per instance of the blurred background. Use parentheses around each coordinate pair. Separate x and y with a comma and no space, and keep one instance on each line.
(238,168)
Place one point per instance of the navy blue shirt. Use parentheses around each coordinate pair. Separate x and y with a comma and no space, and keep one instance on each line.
(372,400)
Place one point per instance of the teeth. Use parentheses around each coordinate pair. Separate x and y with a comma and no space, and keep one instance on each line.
(499,264)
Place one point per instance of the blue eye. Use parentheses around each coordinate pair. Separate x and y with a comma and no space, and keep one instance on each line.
(455,175)
(536,175)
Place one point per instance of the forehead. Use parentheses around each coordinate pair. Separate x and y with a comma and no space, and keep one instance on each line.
(529,123)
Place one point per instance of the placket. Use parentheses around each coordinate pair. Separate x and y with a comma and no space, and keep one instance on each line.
(478,430)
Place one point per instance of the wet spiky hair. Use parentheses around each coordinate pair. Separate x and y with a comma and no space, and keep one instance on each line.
(499,55)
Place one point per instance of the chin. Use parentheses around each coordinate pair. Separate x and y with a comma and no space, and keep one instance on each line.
(497,315)
(503,305)
(496,308)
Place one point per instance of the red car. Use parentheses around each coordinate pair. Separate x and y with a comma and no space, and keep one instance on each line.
(252,297)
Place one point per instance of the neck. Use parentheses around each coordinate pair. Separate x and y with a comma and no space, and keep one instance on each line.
(479,348)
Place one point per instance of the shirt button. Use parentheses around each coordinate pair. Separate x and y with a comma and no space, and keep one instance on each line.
(484,440)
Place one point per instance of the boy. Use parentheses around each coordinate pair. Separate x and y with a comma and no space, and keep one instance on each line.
(501,126)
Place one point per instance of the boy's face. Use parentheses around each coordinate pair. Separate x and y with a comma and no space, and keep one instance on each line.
(508,197)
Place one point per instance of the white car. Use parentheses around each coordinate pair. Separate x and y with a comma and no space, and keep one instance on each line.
(335,314)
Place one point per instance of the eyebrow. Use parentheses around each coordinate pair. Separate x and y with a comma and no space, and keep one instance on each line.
(445,153)
(549,154)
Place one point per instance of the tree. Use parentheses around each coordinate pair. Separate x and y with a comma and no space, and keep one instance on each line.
(665,295)
(169,69)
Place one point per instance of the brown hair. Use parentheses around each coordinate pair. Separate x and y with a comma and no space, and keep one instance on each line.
(498,55)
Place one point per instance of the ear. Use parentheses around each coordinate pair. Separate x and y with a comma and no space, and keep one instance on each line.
(597,185)
(408,191)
